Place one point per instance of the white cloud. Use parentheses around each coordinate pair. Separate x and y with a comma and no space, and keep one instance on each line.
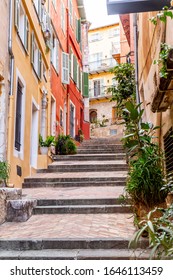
(96,12)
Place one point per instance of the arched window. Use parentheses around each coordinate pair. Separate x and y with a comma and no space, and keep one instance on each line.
(93,116)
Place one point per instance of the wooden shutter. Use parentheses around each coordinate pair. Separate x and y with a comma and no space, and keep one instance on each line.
(39,64)
(32,48)
(65,68)
(16,13)
(75,69)
(18,117)
(85,85)
(78,26)
(26,33)
(57,55)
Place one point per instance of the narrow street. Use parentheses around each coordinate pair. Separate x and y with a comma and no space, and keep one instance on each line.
(79,214)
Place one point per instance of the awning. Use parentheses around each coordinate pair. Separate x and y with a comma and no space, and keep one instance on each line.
(135,6)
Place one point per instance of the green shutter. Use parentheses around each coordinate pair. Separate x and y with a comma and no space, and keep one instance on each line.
(79,30)
(74,69)
(85,85)
(79,78)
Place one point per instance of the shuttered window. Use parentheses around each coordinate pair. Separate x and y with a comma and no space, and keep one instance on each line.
(85,85)
(55,53)
(168,148)
(21,24)
(75,69)
(62,16)
(18,117)
(78,30)
(36,57)
(65,68)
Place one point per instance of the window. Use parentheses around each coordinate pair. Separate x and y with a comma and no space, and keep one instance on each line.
(38,8)
(78,30)
(18,117)
(55,53)
(95,37)
(54,3)
(62,16)
(93,116)
(22,24)
(61,117)
(44,72)
(65,68)
(114,32)
(168,147)
(36,58)
(70,5)
(98,87)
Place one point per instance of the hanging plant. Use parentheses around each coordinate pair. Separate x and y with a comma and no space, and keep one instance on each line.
(162,61)
(162,16)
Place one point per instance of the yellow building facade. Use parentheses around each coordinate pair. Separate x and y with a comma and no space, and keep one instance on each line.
(30,100)
(104,44)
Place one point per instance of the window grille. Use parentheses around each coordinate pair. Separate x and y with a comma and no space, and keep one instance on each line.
(168,147)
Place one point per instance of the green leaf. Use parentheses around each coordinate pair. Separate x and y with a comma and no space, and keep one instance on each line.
(145,126)
(150,225)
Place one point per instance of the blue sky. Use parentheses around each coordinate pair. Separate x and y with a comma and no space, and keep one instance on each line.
(96,12)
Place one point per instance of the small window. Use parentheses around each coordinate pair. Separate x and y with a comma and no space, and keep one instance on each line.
(114,32)
(22,24)
(70,5)
(95,37)
(65,68)
(93,116)
(61,117)
(44,72)
(36,58)
(55,53)
(62,16)
(18,116)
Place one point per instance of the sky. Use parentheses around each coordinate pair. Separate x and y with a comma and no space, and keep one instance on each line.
(96,12)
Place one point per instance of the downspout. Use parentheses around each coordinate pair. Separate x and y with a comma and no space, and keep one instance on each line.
(135,30)
(68,87)
(10,113)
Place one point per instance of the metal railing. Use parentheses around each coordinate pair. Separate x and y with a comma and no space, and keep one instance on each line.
(102,65)
(99,91)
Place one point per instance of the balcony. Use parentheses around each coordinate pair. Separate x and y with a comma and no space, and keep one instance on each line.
(100,66)
(99,92)
(163,97)
(116,52)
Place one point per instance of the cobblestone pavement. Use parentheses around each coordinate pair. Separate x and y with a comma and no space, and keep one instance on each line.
(71,226)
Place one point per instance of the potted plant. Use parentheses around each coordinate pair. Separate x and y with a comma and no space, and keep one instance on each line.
(4,173)
(64,145)
(45,144)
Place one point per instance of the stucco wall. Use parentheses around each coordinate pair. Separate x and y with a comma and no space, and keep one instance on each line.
(4,84)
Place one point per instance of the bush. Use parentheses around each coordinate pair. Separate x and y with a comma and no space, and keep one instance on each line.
(64,145)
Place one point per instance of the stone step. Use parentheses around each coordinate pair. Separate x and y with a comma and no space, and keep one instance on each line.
(99,151)
(84,168)
(81,209)
(83,201)
(75,254)
(56,184)
(89,157)
(69,243)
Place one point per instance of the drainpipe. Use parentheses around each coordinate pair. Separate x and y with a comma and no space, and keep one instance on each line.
(68,87)
(135,29)
(10,113)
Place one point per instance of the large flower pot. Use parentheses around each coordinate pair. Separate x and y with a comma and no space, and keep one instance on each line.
(44,150)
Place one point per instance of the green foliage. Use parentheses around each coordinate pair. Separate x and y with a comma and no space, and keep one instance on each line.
(48,141)
(125,87)
(64,145)
(162,16)
(145,178)
(160,233)
(4,172)
(162,61)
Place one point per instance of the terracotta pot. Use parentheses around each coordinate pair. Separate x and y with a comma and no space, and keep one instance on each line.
(169,199)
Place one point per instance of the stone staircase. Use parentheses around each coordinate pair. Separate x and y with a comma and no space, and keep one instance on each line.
(78,202)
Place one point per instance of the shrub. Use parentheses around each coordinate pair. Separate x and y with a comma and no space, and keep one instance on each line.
(4,172)
(64,145)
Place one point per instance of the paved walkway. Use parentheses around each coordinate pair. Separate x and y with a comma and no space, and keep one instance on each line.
(71,226)
(73,192)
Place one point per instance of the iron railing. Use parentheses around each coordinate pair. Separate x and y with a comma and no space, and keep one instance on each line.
(102,65)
